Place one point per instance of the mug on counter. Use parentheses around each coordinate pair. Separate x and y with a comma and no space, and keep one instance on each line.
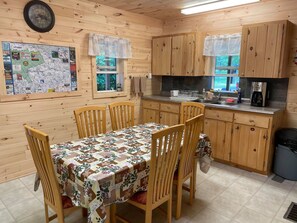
(174,93)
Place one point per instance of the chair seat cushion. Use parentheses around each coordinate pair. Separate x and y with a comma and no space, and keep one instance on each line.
(66,202)
(139,197)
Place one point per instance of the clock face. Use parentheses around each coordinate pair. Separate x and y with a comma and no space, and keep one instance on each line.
(39,16)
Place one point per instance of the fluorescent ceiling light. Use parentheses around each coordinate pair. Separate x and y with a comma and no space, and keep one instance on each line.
(215,5)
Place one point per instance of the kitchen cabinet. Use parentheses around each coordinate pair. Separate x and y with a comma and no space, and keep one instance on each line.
(176,55)
(218,126)
(160,112)
(243,139)
(182,55)
(249,146)
(161,56)
(265,49)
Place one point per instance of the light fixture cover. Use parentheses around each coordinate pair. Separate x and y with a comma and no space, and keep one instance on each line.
(215,5)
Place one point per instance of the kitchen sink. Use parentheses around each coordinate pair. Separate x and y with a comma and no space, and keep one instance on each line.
(218,102)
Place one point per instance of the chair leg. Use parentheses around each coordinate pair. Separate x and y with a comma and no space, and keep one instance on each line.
(192,189)
(179,200)
(148,215)
(84,212)
(113,211)
(169,210)
(46,213)
(60,218)
(194,177)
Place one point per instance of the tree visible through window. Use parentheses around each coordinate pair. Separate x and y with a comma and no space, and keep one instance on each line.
(107,72)
(226,73)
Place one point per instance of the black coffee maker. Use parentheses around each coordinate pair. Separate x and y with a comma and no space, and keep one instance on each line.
(258,94)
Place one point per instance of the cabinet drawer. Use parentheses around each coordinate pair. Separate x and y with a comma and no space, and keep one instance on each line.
(174,108)
(219,115)
(150,105)
(252,120)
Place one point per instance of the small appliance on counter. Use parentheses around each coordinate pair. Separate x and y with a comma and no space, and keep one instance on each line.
(258,94)
(174,93)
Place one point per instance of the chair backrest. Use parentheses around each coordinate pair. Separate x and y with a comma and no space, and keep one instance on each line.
(164,155)
(189,110)
(90,120)
(40,150)
(191,137)
(121,114)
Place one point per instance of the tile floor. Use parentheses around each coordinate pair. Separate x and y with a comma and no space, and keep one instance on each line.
(224,194)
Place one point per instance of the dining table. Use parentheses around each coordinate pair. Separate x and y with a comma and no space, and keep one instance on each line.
(105,169)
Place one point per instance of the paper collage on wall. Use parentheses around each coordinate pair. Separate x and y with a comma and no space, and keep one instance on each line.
(37,68)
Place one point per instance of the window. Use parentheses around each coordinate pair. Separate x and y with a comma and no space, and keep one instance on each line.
(107,74)
(226,73)
(108,77)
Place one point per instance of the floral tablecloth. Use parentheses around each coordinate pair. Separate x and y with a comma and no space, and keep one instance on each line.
(106,169)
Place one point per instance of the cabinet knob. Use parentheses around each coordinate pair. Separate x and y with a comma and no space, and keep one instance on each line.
(255,150)
(252,129)
(237,127)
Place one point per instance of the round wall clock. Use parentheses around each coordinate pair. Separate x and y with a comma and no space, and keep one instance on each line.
(39,16)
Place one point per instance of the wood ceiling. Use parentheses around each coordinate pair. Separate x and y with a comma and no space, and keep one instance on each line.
(160,9)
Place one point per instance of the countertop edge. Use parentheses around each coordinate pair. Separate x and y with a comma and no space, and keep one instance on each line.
(239,107)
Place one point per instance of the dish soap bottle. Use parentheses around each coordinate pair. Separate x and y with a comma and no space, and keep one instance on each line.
(239,95)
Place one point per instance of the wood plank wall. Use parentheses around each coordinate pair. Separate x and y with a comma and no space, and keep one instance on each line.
(75,19)
(224,20)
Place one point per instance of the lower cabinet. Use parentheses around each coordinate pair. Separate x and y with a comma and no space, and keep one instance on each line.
(249,146)
(160,112)
(243,139)
(220,135)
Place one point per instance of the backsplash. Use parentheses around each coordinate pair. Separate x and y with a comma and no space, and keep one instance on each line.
(277,88)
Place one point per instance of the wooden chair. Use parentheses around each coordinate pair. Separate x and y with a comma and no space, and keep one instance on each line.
(187,163)
(121,115)
(189,110)
(90,120)
(164,154)
(39,146)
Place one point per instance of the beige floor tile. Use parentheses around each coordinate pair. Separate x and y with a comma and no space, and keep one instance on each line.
(225,207)
(247,215)
(10,186)
(240,198)
(12,197)
(5,217)
(2,206)
(246,185)
(209,216)
(26,208)
(272,193)
(28,180)
(266,207)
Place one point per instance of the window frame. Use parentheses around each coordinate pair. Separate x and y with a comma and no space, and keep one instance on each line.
(121,70)
(229,75)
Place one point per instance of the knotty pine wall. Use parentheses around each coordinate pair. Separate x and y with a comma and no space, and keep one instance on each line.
(75,19)
(225,21)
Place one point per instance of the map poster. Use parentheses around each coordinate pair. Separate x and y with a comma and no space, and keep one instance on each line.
(38,68)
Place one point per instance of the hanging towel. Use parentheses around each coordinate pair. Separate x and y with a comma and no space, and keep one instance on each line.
(135,85)
(142,85)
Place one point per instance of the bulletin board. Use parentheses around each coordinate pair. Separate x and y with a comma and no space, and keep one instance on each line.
(38,68)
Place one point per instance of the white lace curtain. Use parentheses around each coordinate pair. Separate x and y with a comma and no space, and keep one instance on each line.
(109,46)
(222,45)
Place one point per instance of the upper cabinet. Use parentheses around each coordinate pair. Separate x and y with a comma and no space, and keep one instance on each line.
(265,49)
(177,55)
(161,57)
(182,55)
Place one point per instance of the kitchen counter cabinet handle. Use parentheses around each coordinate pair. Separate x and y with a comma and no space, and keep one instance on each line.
(252,129)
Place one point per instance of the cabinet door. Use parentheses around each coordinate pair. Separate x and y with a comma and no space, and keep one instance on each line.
(182,58)
(150,115)
(168,118)
(161,56)
(249,146)
(219,133)
(263,49)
